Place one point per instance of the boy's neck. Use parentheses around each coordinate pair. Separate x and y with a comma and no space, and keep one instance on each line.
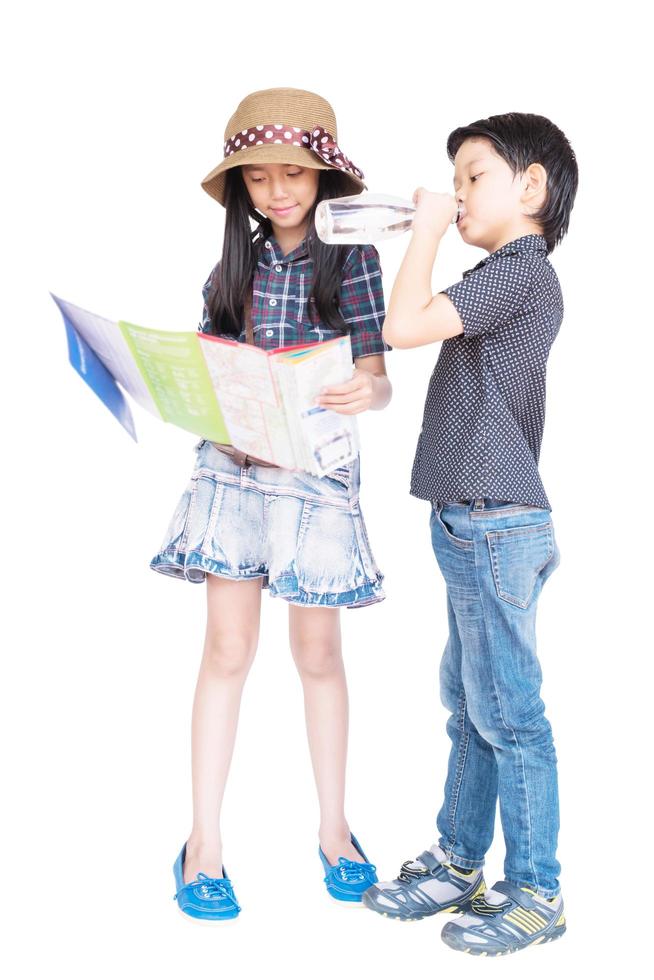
(509,234)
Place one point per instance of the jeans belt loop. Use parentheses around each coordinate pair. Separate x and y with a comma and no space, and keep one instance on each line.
(240,458)
(479,503)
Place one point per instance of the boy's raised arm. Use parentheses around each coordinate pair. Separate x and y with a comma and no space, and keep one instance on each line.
(414,316)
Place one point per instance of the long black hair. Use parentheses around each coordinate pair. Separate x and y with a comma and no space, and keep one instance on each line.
(233,275)
(523,138)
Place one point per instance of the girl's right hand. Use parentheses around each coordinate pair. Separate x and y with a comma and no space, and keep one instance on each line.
(434,212)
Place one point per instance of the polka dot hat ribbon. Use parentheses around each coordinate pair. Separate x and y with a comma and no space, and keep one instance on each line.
(318,139)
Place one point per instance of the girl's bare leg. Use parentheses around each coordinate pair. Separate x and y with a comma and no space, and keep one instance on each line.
(233,611)
(315,637)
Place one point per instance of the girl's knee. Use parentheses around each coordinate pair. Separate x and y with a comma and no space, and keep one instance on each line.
(317,659)
(229,656)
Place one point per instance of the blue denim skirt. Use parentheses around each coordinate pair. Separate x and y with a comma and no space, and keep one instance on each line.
(303,535)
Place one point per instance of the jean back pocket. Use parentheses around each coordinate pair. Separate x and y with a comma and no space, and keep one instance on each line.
(518,556)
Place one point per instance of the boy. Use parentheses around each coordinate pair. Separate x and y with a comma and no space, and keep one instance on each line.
(477,462)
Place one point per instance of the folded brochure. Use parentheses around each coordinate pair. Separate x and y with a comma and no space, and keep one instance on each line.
(260,402)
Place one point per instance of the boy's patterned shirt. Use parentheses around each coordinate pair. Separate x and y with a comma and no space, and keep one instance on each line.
(485,408)
(281,288)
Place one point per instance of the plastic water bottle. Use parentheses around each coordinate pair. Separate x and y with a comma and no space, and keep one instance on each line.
(364,218)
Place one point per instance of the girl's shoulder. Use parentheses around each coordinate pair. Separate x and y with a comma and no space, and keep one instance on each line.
(362,259)
(210,280)
(208,289)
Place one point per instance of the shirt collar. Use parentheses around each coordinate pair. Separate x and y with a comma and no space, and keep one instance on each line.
(271,251)
(525,245)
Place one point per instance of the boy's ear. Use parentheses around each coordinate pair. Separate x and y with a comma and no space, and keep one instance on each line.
(534,186)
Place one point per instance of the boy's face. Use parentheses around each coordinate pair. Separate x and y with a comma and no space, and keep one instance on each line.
(489,194)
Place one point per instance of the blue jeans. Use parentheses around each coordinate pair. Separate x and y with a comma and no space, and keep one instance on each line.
(495,557)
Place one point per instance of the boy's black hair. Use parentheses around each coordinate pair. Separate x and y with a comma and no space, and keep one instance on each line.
(522,138)
(232,277)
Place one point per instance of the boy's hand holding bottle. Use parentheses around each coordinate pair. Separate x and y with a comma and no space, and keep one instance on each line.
(434,212)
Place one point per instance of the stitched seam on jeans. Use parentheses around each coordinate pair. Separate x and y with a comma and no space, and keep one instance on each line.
(459,542)
(492,537)
(304,523)
(462,756)
(243,482)
(370,568)
(216,503)
(543,892)
(183,540)
(465,862)
(508,728)
(504,511)
(521,531)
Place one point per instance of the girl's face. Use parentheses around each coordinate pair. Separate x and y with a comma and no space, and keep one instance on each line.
(283,192)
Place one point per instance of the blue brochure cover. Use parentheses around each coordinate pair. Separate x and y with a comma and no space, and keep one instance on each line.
(89,366)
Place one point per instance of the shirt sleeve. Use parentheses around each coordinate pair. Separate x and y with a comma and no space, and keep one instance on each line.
(490,296)
(204,326)
(362,301)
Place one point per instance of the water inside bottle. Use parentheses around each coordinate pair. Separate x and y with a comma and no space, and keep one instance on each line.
(362,219)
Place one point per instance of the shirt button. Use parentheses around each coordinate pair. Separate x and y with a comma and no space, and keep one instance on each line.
(268,245)
(278,268)
(269,333)
(273,302)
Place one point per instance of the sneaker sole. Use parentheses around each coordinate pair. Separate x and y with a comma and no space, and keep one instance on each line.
(457,943)
(207,920)
(413,917)
(354,903)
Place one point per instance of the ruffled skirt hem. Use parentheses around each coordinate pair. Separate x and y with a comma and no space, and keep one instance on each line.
(194,567)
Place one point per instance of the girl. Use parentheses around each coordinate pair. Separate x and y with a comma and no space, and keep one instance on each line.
(251,525)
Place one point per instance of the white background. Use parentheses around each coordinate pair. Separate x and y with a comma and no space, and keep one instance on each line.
(112,115)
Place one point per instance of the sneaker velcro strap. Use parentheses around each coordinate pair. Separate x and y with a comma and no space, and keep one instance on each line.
(516,893)
(430,862)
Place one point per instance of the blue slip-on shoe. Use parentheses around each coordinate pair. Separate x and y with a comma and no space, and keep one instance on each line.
(425,886)
(204,898)
(505,919)
(348,880)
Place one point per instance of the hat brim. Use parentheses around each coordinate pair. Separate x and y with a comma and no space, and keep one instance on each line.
(214,182)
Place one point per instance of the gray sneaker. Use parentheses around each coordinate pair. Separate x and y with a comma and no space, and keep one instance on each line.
(505,919)
(424,887)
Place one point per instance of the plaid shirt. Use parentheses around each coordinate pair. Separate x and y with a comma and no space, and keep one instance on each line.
(279,300)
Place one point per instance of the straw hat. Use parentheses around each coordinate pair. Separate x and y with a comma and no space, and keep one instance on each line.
(282,125)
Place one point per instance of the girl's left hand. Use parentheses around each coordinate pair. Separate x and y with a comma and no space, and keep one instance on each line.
(350,398)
